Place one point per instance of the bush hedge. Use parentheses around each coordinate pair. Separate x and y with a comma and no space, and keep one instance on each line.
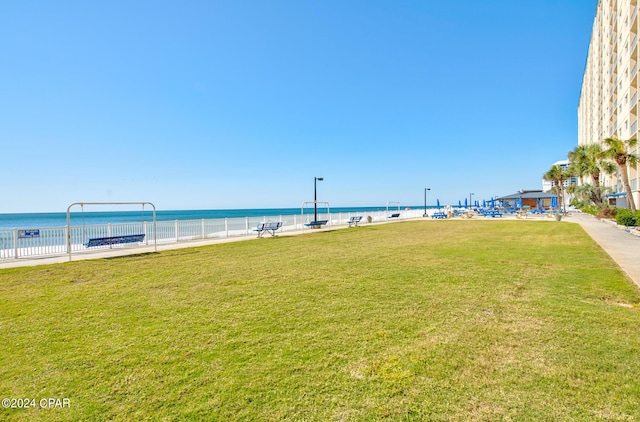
(626,218)
(590,209)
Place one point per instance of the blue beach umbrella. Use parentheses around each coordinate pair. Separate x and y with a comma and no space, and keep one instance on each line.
(466,204)
(459,204)
(520,202)
(493,202)
(438,204)
(484,204)
(477,204)
(554,202)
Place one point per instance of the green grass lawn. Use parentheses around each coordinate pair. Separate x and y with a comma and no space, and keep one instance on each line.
(447,320)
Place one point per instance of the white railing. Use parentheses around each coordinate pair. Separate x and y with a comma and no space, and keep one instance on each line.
(53,240)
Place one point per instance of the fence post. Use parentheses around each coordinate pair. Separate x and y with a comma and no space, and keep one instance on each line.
(177,232)
(226,226)
(202,225)
(67,239)
(146,235)
(246,224)
(15,243)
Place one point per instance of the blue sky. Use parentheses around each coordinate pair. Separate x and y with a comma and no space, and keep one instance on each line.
(239,104)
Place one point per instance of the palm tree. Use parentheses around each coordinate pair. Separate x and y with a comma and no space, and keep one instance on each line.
(588,160)
(617,151)
(580,198)
(557,176)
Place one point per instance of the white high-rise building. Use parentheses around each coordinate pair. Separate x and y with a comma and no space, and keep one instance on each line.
(608,104)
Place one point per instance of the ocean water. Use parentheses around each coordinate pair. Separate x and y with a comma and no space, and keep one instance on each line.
(58,219)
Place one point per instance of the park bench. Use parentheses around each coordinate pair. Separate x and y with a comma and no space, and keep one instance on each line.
(114,240)
(395,215)
(270,227)
(354,220)
(439,215)
(318,223)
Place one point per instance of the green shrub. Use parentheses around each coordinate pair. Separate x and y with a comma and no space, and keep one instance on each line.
(625,217)
(590,209)
(578,204)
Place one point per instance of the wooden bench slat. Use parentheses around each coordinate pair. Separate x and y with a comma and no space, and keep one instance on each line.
(114,240)
(317,223)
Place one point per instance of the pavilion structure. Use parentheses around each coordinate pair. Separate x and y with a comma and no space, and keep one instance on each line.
(531,199)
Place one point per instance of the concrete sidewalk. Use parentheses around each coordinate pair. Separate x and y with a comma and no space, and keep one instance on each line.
(623,247)
(117,252)
(127,251)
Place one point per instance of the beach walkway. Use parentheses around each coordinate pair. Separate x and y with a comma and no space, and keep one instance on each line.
(623,247)
(110,253)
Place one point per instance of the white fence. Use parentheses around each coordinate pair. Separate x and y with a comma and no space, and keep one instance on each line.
(53,240)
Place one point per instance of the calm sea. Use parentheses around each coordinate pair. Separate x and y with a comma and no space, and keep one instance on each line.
(56,219)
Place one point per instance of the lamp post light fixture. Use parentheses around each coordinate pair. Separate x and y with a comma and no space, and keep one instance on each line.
(425,201)
(315,197)
(470,203)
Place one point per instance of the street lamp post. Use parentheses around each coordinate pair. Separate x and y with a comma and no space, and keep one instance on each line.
(315,197)
(425,201)
(470,203)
